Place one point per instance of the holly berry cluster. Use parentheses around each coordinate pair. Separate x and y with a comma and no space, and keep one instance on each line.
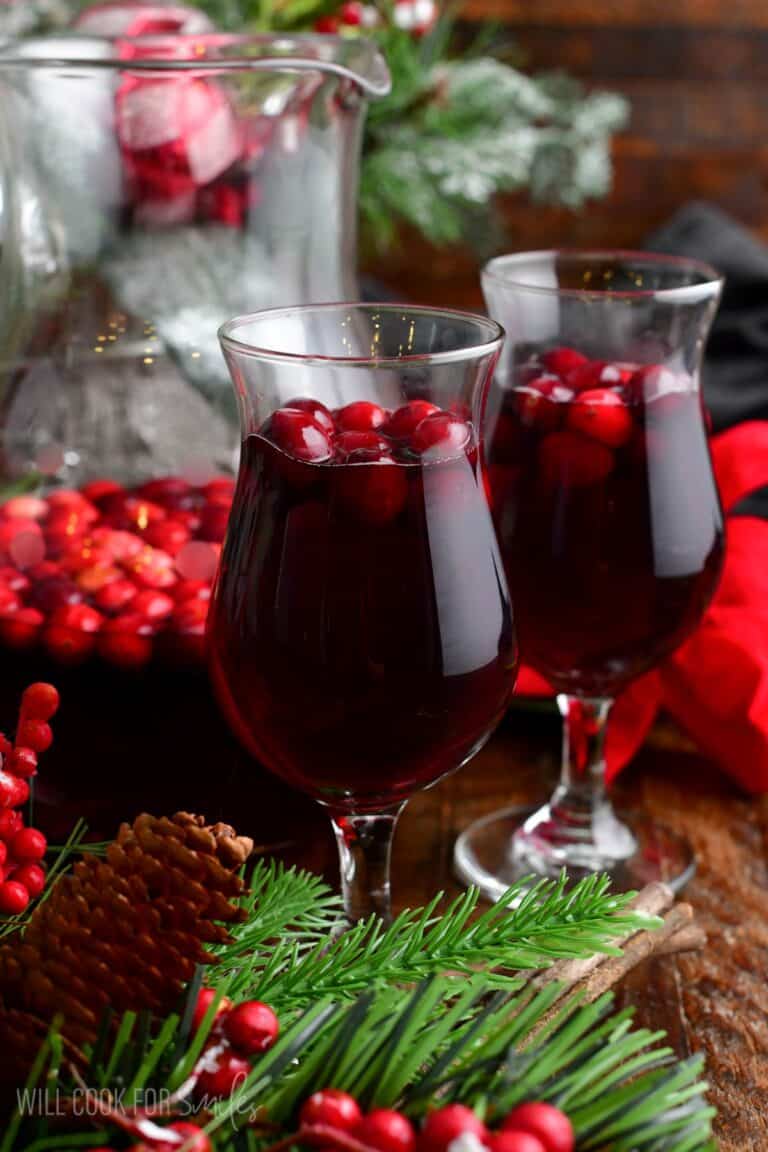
(239,1032)
(22,849)
(112,570)
(414,16)
(587,410)
(364,433)
(330,1117)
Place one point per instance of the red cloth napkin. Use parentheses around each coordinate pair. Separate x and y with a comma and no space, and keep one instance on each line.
(716,684)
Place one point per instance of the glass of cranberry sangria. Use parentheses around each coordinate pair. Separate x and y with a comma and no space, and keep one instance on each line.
(609,525)
(360,634)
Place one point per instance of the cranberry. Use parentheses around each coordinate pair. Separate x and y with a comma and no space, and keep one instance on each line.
(601,414)
(297,434)
(515,1141)
(332,1107)
(549,1124)
(137,514)
(10,529)
(660,388)
(26,549)
(195,1139)
(251,1027)
(441,436)
(319,413)
(40,701)
(123,546)
(20,629)
(126,641)
(561,361)
(152,604)
(35,734)
(7,790)
(386,1130)
(358,443)
(153,568)
(443,1126)
(163,489)
(168,535)
(32,877)
(14,898)
(99,490)
(189,614)
(10,823)
(15,580)
(205,998)
(223,485)
(86,554)
(191,590)
(587,375)
(23,763)
(539,403)
(361,416)
(115,596)
(29,846)
(56,592)
(69,499)
(221,1074)
(352,13)
(9,601)
(213,523)
(92,580)
(25,508)
(617,375)
(375,491)
(3,855)
(78,617)
(404,421)
(326,24)
(568,459)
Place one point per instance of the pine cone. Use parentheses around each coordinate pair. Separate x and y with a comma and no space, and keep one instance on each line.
(126,932)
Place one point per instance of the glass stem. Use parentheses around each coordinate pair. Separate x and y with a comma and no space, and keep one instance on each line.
(365,848)
(582,778)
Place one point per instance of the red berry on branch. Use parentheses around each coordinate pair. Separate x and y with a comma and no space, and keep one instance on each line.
(20,629)
(361,416)
(112,597)
(23,763)
(34,734)
(10,823)
(222,1073)
(28,845)
(515,1141)
(205,998)
(352,13)
(404,421)
(32,877)
(549,1124)
(14,898)
(19,792)
(251,1027)
(446,1124)
(7,789)
(40,702)
(387,1131)
(153,605)
(333,1107)
(127,641)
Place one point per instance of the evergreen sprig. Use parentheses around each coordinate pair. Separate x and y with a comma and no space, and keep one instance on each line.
(283,954)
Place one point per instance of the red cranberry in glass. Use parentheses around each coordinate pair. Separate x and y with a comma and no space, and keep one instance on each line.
(168,535)
(332,1107)
(539,402)
(441,436)
(319,413)
(299,435)
(609,527)
(164,489)
(561,361)
(373,486)
(21,628)
(14,579)
(361,446)
(115,596)
(126,641)
(361,416)
(191,590)
(153,605)
(55,592)
(404,420)
(387,1131)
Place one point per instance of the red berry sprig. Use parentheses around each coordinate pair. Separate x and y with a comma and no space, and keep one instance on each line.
(239,1032)
(22,849)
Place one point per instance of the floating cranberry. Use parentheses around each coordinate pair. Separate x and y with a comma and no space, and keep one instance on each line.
(587,375)
(40,701)
(20,629)
(441,436)
(347,443)
(9,601)
(549,1124)
(405,420)
(14,898)
(163,489)
(25,508)
(387,1130)
(10,823)
(224,486)
(361,416)
(333,1107)
(126,641)
(446,1124)
(251,1027)
(297,434)
(92,580)
(213,523)
(99,490)
(153,568)
(123,546)
(23,763)
(569,460)
(17,581)
(78,617)
(561,361)
(375,491)
(205,998)
(195,1139)
(68,499)
(222,1074)
(197,562)
(35,734)
(3,855)
(153,605)
(601,414)
(319,413)
(32,877)
(56,592)
(515,1141)
(8,790)
(28,846)
(115,596)
(10,529)
(540,403)
(190,614)
(191,590)
(168,535)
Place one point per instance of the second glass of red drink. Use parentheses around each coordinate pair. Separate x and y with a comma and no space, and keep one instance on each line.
(361,639)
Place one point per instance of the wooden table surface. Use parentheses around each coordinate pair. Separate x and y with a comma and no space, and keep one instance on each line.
(714,1001)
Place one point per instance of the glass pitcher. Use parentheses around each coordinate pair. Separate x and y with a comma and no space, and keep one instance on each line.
(149,189)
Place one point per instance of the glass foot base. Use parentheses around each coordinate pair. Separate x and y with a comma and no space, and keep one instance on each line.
(500,849)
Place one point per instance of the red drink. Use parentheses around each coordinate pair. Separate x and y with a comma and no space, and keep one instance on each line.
(608,517)
(361,639)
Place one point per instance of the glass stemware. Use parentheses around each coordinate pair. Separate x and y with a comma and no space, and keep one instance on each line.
(361,641)
(609,524)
